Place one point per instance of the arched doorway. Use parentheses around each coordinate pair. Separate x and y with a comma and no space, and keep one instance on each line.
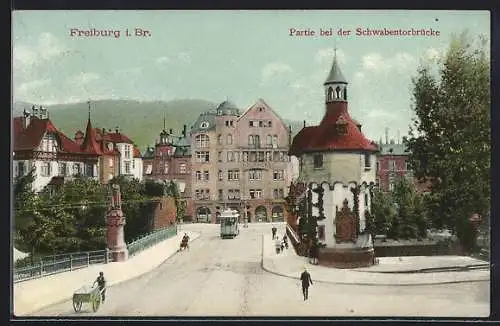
(277,214)
(203,215)
(261,214)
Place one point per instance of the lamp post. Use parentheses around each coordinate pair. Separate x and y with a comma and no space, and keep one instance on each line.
(245,217)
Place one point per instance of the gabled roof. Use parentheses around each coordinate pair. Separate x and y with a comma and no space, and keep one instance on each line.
(29,138)
(263,103)
(90,143)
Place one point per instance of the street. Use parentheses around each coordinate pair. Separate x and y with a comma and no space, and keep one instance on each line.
(224,278)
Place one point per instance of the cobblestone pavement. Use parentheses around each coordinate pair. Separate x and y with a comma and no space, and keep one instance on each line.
(224,278)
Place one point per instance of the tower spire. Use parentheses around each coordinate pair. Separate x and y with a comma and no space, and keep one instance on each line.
(164,122)
(88,102)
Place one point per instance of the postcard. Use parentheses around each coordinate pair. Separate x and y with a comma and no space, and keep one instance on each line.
(281,163)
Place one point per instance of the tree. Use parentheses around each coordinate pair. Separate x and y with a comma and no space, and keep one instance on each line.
(412,221)
(450,135)
(383,212)
(180,205)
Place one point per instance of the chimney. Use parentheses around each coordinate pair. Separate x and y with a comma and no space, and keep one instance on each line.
(117,129)
(26,119)
(386,135)
(304,123)
(170,131)
(184,128)
(398,137)
(103,131)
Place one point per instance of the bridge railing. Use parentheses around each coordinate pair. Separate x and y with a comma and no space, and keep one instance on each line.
(151,239)
(49,265)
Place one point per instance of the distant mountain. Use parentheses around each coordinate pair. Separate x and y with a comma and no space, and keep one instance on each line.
(141,121)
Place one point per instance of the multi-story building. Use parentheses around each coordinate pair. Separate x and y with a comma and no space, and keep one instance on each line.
(240,161)
(54,157)
(170,160)
(118,154)
(393,163)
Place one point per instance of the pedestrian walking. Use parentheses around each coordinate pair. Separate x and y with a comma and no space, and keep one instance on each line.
(305,277)
(274,230)
(277,244)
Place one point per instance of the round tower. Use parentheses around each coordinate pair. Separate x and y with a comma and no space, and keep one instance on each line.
(337,165)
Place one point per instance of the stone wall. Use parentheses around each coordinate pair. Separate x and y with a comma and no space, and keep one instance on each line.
(429,249)
(165,213)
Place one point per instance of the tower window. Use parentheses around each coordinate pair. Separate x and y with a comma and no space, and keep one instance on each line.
(330,94)
(367,161)
(345,93)
(318,161)
(337,91)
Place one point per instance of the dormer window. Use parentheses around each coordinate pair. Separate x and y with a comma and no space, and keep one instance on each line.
(204,125)
(341,126)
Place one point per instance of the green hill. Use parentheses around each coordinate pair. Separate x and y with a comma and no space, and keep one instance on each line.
(141,121)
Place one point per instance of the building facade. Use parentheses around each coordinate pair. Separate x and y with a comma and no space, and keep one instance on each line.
(38,145)
(240,160)
(170,160)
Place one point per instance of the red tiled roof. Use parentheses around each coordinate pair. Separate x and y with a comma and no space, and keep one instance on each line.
(90,144)
(117,137)
(325,138)
(137,152)
(30,138)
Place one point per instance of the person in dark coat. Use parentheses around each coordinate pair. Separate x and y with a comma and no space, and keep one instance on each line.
(305,277)
(101,282)
(274,230)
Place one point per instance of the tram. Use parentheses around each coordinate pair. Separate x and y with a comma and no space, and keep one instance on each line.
(229,227)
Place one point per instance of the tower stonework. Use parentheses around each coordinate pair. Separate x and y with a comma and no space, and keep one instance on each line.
(115,228)
(337,165)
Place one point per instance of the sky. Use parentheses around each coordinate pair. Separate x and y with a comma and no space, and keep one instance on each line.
(239,56)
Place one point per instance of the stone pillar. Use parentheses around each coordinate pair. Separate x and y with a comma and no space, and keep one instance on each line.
(115,222)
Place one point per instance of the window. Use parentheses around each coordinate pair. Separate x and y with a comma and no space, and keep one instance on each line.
(261,123)
(221,175)
(378,166)
(110,162)
(283,157)
(318,161)
(76,169)
(278,175)
(133,165)
(233,194)
(202,194)
(367,161)
(407,166)
(233,175)
(392,165)
(149,169)
(391,186)
(20,169)
(269,140)
(45,169)
(253,157)
(250,140)
(229,139)
(202,141)
(269,123)
(221,192)
(254,141)
(250,123)
(245,156)
(269,157)
(255,193)
(198,175)
(219,139)
(202,157)
(62,169)
(127,151)
(255,175)
(89,170)
(275,141)
(230,156)
(127,167)
(182,168)
(205,174)
(260,156)
(278,193)
(219,156)
(165,168)
(227,123)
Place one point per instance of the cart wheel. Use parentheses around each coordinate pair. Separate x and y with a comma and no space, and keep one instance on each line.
(77,305)
(96,303)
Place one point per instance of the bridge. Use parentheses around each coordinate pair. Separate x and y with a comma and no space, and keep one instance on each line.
(245,277)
